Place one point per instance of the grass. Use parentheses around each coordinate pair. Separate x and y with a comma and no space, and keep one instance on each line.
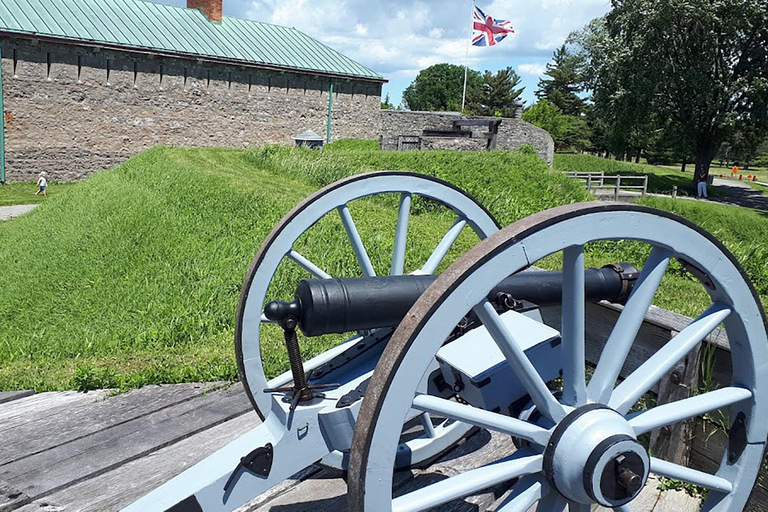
(132,276)
(23,192)
(660,179)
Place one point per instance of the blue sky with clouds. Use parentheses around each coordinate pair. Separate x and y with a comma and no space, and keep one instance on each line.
(397,38)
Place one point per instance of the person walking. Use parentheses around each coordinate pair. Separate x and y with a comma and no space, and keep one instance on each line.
(42,182)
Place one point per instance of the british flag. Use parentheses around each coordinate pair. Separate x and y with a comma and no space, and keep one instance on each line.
(487,31)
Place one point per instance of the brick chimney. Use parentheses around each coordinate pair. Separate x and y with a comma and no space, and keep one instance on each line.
(211,8)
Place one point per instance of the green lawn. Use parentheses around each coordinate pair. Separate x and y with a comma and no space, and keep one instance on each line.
(133,275)
(23,192)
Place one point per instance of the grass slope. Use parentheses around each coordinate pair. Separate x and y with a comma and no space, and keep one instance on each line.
(132,276)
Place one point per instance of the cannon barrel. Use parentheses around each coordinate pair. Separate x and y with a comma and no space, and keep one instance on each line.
(325,306)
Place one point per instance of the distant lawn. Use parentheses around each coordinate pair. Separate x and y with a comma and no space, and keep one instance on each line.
(660,179)
(23,192)
(132,277)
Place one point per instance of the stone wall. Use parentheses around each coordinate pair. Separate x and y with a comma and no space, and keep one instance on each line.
(72,110)
(398,125)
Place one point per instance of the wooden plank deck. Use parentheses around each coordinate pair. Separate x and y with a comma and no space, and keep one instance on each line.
(69,451)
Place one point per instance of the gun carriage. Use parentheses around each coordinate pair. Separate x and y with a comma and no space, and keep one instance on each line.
(430,358)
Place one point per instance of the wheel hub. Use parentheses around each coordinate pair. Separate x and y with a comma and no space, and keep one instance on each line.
(594,457)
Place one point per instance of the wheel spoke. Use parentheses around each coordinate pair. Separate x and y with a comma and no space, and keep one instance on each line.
(691,476)
(524,369)
(401,234)
(658,365)
(524,494)
(552,502)
(468,483)
(308,265)
(357,243)
(624,332)
(673,412)
(481,418)
(574,380)
(444,246)
(429,429)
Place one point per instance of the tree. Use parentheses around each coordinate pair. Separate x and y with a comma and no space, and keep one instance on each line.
(386,104)
(497,95)
(439,87)
(698,65)
(563,83)
(547,116)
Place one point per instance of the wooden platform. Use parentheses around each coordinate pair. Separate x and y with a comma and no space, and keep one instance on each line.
(69,451)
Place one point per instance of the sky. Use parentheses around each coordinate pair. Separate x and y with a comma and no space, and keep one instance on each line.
(398,38)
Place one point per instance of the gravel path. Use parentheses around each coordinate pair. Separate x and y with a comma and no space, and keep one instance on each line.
(7,212)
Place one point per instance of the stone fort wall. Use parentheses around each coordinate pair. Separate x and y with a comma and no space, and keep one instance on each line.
(411,130)
(73,110)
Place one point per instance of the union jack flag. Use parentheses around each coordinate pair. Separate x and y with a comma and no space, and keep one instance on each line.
(487,31)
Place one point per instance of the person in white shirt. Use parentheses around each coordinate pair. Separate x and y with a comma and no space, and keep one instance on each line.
(42,182)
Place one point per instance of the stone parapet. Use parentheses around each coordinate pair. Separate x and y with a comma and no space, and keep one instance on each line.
(415,130)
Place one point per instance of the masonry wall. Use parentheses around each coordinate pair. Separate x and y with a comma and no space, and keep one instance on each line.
(72,110)
(398,125)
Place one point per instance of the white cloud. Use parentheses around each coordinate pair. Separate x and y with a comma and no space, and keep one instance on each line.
(397,38)
(532,69)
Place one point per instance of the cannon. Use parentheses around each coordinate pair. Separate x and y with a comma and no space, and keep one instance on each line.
(426,359)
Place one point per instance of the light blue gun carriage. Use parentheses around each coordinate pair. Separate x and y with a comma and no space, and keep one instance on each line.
(432,358)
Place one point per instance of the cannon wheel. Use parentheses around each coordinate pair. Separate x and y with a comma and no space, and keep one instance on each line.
(561,466)
(279,246)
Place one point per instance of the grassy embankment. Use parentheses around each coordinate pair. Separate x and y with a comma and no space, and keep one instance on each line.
(23,192)
(132,276)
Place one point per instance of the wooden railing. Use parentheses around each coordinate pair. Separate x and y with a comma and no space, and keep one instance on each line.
(597,182)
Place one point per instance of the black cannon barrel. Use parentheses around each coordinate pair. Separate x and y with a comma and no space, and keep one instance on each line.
(340,305)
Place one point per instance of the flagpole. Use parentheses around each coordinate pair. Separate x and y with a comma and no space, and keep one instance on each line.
(466,56)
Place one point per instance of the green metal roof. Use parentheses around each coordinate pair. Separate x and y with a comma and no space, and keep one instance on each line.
(143,25)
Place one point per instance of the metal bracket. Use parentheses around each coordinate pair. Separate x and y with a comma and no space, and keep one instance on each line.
(737,438)
(354,395)
(258,462)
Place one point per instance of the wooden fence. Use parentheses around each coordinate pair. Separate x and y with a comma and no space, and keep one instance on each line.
(601,184)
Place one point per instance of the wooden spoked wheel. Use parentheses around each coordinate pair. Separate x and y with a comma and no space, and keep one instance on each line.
(280,247)
(586,433)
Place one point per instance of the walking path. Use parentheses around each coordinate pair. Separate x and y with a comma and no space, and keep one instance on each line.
(740,194)
(8,212)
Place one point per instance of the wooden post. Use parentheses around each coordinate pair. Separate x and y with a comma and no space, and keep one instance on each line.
(645,185)
(672,443)
(674,191)
(616,190)
(589,183)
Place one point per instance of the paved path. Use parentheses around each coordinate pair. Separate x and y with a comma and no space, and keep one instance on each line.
(8,212)
(740,194)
